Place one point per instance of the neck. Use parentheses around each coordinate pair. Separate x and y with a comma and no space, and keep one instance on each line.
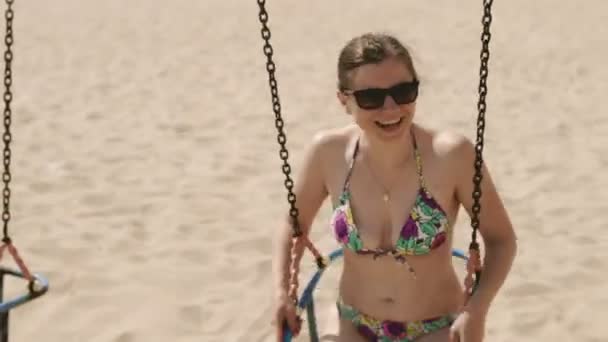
(388,155)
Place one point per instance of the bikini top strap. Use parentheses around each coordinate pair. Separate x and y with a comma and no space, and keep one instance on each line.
(418,162)
(417,157)
(351,166)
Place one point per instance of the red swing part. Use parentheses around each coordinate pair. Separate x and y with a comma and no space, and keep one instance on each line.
(37,285)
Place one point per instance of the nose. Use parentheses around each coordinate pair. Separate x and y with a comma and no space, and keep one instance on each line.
(389,103)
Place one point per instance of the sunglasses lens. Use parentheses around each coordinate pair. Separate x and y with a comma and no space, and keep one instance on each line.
(370,98)
(373,98)
(405,93)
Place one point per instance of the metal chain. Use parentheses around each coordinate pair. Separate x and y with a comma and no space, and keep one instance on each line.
(6,137)
(276,107)
(481,106)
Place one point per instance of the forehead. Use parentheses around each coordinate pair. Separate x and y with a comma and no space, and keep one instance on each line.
(382,75)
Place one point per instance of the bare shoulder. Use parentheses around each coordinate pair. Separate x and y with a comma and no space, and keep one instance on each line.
(448,146)
(326,154)
(333,142)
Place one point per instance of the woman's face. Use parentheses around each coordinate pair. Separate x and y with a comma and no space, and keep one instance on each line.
(382,98)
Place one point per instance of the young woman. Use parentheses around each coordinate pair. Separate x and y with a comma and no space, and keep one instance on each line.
(396,188)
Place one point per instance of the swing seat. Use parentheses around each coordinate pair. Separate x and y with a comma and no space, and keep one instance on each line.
(39,289)
(306,301)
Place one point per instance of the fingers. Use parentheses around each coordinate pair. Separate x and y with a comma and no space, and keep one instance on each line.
(279,331)
(280,324)
(287,325)
(294,323)
(454,336)
(286,332)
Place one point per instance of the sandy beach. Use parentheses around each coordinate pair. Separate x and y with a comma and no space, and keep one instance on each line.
(146,176)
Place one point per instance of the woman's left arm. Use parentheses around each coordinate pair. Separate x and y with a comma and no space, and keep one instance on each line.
(495,228)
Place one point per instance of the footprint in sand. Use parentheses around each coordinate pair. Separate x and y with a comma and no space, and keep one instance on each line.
(191,315)
(528,323)
(96,199)
(125,337)
(260,245)
(41,187)
(194,255)
(528,289)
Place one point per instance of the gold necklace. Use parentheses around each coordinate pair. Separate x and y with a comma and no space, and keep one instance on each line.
(386,196)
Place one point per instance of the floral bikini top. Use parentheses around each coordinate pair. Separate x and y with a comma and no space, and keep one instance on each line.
(424,229)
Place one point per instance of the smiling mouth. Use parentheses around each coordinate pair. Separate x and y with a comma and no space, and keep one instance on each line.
(389,124)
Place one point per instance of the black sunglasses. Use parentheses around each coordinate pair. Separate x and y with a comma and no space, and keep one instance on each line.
(373,98)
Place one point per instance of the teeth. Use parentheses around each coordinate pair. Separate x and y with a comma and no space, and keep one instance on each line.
(389,122)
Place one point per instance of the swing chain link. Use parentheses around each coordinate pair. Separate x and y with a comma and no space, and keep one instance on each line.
(7,137)
(481,106)
(279,123)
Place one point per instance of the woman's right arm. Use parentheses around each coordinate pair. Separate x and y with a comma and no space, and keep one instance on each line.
(311,191)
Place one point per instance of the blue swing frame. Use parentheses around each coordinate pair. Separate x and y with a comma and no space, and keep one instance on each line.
(7,306)
(306,301)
